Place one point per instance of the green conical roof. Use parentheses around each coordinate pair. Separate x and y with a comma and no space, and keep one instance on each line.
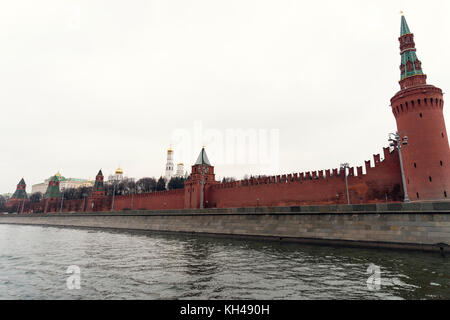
(20,193)
(408,54)
(203,158)
(53,188)
(404,29)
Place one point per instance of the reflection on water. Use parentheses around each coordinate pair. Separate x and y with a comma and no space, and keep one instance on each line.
(120,265)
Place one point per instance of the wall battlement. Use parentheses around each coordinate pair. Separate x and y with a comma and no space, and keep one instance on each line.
(327,174)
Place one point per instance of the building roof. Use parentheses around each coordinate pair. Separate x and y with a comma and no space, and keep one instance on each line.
(53,189)
(203,158)
(409,55)
(20,193)
(404,29)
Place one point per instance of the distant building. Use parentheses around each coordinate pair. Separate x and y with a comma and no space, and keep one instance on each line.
(180,170)
(169,166)
(53,190)
(19,197)
(64,183)
(117,176)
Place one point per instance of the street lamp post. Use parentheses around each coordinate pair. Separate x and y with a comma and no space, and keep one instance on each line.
(202,183)
(84,203)
(397,141)
(62,201)
(346,166)
(114,193)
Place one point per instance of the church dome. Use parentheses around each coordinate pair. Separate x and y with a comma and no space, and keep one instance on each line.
(119,170)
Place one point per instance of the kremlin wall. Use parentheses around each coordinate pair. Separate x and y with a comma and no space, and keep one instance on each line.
(418,110)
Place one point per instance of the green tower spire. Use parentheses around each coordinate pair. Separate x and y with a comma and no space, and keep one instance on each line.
(404,29)
(53,188)
(411,65)
(20,192)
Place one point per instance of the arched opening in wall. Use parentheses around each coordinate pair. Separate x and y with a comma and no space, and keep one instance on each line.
(421,115)
(406,104)
(401,107)
(442,134)
(441,163)
(445,194)
(425,100)
(408,180)
(415,165)
(418,102)
(431,180)
(417,195)
(398,110)
(437,101)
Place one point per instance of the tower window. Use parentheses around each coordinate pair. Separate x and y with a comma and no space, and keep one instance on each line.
(421,115)
(445,194)
(415,165)
(417,195)
(441,163)
(431,180)
(425,100)
(408,180)
(442,134)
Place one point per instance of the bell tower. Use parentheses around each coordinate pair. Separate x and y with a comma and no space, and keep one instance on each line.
(418,111)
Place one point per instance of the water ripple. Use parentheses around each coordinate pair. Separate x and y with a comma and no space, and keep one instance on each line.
(120,265)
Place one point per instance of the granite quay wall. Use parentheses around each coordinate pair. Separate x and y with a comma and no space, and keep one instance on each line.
(416,226)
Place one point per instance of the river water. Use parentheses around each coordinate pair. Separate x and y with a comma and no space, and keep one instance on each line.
(121,265)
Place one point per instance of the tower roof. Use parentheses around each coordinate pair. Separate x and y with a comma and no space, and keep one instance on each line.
(20,192)
(404,29)
(100,173)
(410,66)
(203,158)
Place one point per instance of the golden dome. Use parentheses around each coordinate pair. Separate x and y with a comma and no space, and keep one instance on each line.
(119,170)
(58,174)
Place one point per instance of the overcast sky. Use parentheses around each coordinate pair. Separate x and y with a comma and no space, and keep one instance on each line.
(95,84)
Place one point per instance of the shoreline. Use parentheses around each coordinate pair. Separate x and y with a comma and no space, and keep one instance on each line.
(412,226)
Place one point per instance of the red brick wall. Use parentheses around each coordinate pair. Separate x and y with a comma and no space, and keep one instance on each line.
(172,199)
(381,181)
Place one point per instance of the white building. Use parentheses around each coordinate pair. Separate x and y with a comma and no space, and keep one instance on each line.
(180,170)
(117,176)
(64,183)
(169,166)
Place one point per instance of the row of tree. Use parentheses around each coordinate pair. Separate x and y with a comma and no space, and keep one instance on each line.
(126,186)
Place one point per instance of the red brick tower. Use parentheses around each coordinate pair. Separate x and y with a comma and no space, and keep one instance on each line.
(99,188)
(98,200)
(202,177)
(19,198)
(418,110)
